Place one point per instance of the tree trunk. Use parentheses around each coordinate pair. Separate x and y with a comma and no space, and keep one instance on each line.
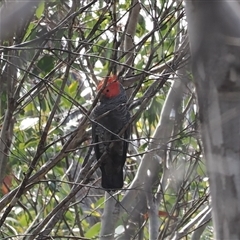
(215,48)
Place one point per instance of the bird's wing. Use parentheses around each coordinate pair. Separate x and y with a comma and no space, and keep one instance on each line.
(95,140)
(125,145)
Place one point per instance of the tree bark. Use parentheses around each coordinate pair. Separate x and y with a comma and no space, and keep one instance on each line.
(14,15)
(215,48)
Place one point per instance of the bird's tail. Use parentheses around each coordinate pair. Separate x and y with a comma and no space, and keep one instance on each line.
(112,180)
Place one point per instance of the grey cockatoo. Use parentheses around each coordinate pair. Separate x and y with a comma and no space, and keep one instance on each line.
(109,118)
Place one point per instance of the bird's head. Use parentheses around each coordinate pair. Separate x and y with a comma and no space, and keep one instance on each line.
(112,88)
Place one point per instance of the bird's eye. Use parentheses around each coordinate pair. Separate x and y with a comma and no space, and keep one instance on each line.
(107,90)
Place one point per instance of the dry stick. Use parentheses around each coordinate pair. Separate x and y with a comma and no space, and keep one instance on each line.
(40,173)
(67,200)
(106,229)
(130,32)
(49,164)
(155,87)
(46,167)
(48,34)
(105,233)
(39,152)
(26,178)
(64,205)
(84,181)
(6,133)
(68,145)
(45,36)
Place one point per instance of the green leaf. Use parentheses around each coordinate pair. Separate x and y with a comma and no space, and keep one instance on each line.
(58,82)
(93,231)
(100,202)
(143,147)
(46,64)
(29,31)
(141,27)
(21,146)
(32,142)
(73,87)
(40,9)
